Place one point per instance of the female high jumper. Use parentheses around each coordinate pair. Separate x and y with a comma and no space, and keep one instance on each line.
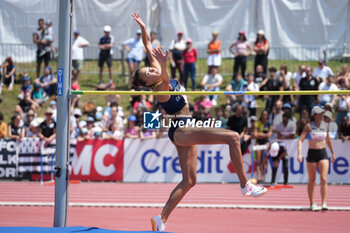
(185,139)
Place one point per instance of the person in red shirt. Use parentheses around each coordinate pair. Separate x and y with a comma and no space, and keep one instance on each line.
(190,57)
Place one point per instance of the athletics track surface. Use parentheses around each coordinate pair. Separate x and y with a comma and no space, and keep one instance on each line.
(206,208)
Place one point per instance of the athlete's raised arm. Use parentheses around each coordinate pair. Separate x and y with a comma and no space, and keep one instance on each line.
(146,41)
(162,59)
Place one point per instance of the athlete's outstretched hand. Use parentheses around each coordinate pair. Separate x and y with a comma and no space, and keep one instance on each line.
(160,56)
(138,19)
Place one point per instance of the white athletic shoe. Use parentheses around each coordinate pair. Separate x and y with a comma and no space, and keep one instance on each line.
(324,206)
(313,207)
(157,223)
(253,190)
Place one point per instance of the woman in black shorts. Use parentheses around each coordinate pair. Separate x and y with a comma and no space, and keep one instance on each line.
(318,134)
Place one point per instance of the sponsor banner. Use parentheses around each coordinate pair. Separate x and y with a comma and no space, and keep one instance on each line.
(98,160)
(8,158)
(156,160)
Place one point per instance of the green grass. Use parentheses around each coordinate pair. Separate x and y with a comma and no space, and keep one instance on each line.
(89,79)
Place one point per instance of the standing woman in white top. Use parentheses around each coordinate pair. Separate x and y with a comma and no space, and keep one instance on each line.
(242,51)
(318,134)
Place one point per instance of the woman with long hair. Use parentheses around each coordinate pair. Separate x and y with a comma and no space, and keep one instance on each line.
(185,139)
(241,46)
(261,48)
(318,134)
(9,73)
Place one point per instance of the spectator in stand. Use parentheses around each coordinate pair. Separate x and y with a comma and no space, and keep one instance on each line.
(322,71)
(83,135)
(135,49)
(242,51)
(132,131)
(237,84)
(303,121)
(344,129)
(3,127)
(78,45)
(53,106)
(250,100)
(297,76)
(190,58)
(286,129)
(26,87)
(333,127)
(155,44)
(201,113)
(259,75)
(175,55)
(48,82)
(237,122)
(284,75)
(212,82)
(328,85)
(220,116)
(142,103)
(43,46)
(205,103)
(276,116)
(343,78)
(261,48)
(26,104)
(114,132)
(214,52)
(308,83)
(90,124)
(28,118)
(139,117)
(37,94)
(288,108)
(113,117)
(262,134)
(248,134)
(105,45)
(75,123)
(147,134)
(48,128)
(9,73)
(343,107)
(15,129)
(33,130)
(272,84)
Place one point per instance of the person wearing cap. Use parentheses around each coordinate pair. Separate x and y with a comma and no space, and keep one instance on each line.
(277,151)
(53,106)
(131,131)
(28,118)
(37,94)
(43,48)
(90,124)
(190,58)
(176,49)
(317,133)
(333,127)
(48,128)
(105,45)
(309,83)
(135,49)
(26,87)
(78,45)
(75,123)
(241,52)
(261,48)
(322,72)
(83,135)
(33,129)
(214,52)
(48,82)
(327,85)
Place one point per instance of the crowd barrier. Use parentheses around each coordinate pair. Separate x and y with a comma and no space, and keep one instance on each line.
(152,160)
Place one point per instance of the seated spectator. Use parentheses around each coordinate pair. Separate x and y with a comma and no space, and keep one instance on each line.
(344,129)
(343,107)
(33,130)
(97,132)
(343,78)
(37,94)
(26,104)
(114,132)
(132,131)
(272,84)
(147,134)
(142,103)
(250,101)
(248,133)
(259,74)
(297,76)
(328,85)
(110,104)
(309,83)
(139,117)
(333,127)
(83,135)
(48,128)
(322,71)
(201,113)
(286,129)
(48,82)
(237,84)
(220,116)
(26,87)
(53,106)
(90,124)
(29,117)
(238,121)
(15,130)
(288,108)
(75,123)
(303,121)
(113,117)
(284,75)
(212,82)
(9,73)
(3,127)
(205,103)
(276,115)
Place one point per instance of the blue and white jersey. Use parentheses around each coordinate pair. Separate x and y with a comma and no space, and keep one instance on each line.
(176,102)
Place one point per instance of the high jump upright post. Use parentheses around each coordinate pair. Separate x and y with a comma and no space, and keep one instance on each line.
(63,114)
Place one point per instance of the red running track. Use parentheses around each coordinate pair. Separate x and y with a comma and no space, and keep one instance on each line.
(183,219)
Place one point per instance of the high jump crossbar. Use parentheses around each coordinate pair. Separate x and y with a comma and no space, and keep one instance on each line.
(84,92)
